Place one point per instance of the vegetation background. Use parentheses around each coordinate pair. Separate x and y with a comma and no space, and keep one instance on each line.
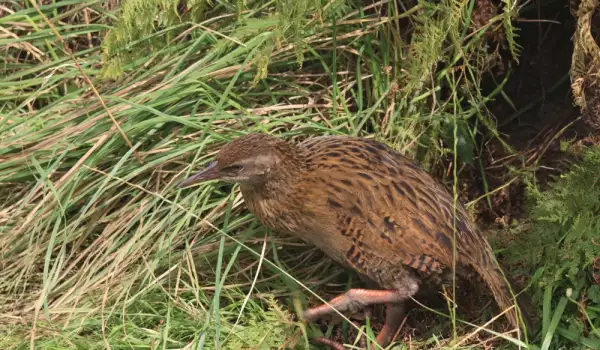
(105,105)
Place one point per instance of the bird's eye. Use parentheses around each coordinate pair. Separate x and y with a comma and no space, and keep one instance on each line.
(232,168)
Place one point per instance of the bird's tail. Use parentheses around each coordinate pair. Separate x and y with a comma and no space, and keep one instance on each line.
(501,290)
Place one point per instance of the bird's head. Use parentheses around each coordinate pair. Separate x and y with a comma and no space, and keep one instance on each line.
(251,159)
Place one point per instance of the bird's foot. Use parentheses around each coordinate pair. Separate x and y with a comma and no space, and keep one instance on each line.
(334,345)
(354,301)
(358,298)
(349,310)
(328,342)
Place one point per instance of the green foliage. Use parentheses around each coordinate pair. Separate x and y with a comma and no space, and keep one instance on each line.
(262,330)
(561,247)
(510,11)
(566,223)
(146,26)
(434,60)
(443,48)
(134,34)
(153,319)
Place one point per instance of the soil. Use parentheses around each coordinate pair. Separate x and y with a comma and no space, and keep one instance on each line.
(545,114)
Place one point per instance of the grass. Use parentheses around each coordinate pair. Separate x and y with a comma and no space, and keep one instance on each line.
(99,249)
(560,251)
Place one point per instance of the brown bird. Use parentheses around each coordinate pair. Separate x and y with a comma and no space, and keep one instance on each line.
(368,208)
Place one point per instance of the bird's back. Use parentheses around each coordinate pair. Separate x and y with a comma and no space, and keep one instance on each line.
(383,212)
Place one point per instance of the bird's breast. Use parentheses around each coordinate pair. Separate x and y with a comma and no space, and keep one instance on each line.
(312,225)
(272,212)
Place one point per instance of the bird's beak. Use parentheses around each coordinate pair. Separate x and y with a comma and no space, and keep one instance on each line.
(209,173)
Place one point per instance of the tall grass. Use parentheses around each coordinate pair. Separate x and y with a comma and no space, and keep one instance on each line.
(99,249)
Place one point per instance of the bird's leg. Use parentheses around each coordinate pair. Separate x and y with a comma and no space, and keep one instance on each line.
(356,299)
(394,314)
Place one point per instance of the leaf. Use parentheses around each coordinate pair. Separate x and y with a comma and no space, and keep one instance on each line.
(464,144)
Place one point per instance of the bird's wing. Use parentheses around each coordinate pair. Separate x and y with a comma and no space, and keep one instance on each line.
(393,211)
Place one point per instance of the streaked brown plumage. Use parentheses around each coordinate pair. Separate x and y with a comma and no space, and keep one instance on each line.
(367,207)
